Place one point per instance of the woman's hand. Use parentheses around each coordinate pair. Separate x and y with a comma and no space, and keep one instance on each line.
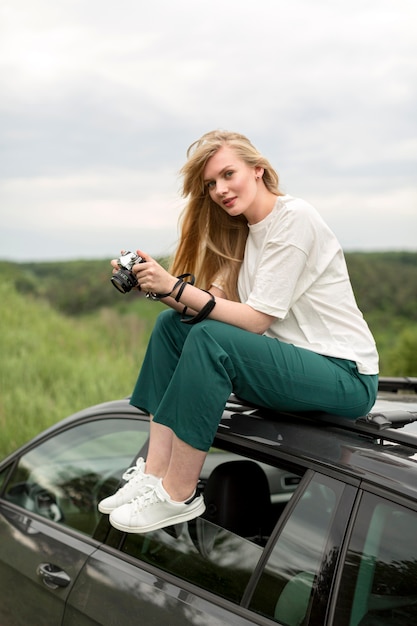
(151,276)
(115,265)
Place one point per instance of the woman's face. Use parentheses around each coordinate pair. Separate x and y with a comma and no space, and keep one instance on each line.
(233,184)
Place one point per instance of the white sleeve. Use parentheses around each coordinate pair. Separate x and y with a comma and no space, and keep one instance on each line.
(278,281)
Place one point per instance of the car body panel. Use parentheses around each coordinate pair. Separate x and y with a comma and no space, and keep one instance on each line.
(110,590)
(26,545)
(63,563)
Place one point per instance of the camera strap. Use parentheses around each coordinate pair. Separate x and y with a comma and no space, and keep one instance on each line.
(160,296)
(201,315)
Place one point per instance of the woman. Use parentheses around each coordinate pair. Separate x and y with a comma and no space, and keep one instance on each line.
(278,325)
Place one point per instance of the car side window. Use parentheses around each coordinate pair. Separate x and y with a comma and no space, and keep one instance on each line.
(379,581)
(300,556)
(64,477)
(219,551)
(200,552)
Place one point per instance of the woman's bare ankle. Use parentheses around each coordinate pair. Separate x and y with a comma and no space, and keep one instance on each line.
(178,493)
(157,470)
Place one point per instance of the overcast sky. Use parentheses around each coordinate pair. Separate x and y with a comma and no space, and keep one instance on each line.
(100,100)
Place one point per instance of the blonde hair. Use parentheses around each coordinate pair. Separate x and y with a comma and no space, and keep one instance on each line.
(212,243)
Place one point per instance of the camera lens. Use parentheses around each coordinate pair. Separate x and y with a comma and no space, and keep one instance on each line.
(124,280)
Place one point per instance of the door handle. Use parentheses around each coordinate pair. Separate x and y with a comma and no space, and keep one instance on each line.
(53,576)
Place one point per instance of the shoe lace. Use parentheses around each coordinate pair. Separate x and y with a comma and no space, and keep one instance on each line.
(132,476)
(152,496)
(131,473)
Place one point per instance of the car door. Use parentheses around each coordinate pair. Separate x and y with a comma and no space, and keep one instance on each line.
(378,586)
(38,566)
(295,582)
(49,523)
(181,575)
(219,574)
(115,588)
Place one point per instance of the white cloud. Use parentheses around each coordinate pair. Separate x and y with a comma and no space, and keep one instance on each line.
(100,101)
(92,200)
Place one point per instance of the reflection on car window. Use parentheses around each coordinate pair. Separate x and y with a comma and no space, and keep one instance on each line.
(201,553)
(379,583)
(220,550)
(285,589)
(64,477)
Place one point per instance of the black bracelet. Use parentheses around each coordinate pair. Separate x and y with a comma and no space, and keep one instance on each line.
(205,311)
(159,296)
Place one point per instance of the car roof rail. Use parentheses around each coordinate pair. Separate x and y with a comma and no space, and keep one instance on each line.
(388,419)
(395,384)
(385,424)
(382,425)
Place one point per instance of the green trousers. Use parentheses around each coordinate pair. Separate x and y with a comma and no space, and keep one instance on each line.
(189,372)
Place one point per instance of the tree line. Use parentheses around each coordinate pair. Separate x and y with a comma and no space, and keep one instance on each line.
(383,282)
(385,286)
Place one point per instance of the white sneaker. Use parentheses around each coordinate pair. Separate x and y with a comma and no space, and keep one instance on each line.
(155,509)
(137,481)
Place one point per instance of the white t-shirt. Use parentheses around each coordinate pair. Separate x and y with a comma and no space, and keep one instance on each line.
(295,270)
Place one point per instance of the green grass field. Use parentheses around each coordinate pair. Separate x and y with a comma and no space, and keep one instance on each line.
(69,340)
(52,365)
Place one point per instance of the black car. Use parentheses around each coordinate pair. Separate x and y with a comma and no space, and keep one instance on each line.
(311,520)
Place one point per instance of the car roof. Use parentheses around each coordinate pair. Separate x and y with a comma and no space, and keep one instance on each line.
(380,448)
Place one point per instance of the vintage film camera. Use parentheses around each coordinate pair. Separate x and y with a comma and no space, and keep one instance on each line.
(124,280)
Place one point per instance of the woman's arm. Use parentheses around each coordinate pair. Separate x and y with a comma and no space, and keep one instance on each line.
(235,313)
(152,277)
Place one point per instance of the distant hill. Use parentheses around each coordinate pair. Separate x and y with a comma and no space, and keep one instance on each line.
(384,282)
(385,286)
